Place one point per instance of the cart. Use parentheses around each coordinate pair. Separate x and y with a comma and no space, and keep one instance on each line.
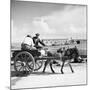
(28,61)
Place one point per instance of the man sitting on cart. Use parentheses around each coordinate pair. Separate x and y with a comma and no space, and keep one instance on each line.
(30,43)
(37,41)
(27,43)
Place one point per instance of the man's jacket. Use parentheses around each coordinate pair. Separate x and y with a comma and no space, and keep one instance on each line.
(37,41)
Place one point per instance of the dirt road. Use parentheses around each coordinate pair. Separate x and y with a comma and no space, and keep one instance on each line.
(38,79)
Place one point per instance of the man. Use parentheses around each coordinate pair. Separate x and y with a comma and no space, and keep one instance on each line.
(37,41)
(76,54)
(27,44)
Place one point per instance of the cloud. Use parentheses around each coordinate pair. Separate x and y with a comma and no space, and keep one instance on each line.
(70,22)
(18,33)
(42,26)
(64,23)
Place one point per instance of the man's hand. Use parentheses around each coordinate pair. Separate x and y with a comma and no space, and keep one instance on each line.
(45,48)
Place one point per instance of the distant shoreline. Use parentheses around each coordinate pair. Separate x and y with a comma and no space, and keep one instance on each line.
(54,40)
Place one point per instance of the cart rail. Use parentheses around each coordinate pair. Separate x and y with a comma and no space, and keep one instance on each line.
(45,57)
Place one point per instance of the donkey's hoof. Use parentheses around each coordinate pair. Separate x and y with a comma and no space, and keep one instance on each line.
(43,71)
(53,72)
(62,72)
(72,71)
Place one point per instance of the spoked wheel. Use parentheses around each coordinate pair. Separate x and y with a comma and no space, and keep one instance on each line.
(24,62)
(38,64)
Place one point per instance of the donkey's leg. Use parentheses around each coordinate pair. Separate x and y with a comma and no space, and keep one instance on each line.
(45,65)
(71,67)
(63,62)
(51,67)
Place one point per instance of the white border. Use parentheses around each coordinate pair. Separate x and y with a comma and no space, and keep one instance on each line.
(62,1)
(5,43)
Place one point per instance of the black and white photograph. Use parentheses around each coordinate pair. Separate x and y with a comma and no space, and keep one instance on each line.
(48,44)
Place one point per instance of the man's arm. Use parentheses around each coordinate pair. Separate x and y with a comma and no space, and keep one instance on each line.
(33,40)
(41,42)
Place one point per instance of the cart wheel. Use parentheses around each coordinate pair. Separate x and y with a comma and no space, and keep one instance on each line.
(24,62)
(38,64)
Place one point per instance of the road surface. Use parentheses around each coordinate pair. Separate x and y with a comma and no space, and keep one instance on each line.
(39,79)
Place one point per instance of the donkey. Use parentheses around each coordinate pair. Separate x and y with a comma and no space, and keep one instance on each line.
(64,55)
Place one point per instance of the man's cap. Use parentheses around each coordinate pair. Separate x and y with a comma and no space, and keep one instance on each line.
(37,34)
(28,35)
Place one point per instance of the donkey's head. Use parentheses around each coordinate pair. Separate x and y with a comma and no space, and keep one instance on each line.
(60,50)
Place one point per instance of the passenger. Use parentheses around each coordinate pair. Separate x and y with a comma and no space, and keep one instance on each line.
(77,54)
(76,50)
(37,41)
(27,44)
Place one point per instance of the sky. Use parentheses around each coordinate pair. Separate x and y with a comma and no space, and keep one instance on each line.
(51,20)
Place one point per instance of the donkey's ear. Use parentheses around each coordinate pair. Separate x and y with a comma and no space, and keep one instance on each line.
(58,50)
